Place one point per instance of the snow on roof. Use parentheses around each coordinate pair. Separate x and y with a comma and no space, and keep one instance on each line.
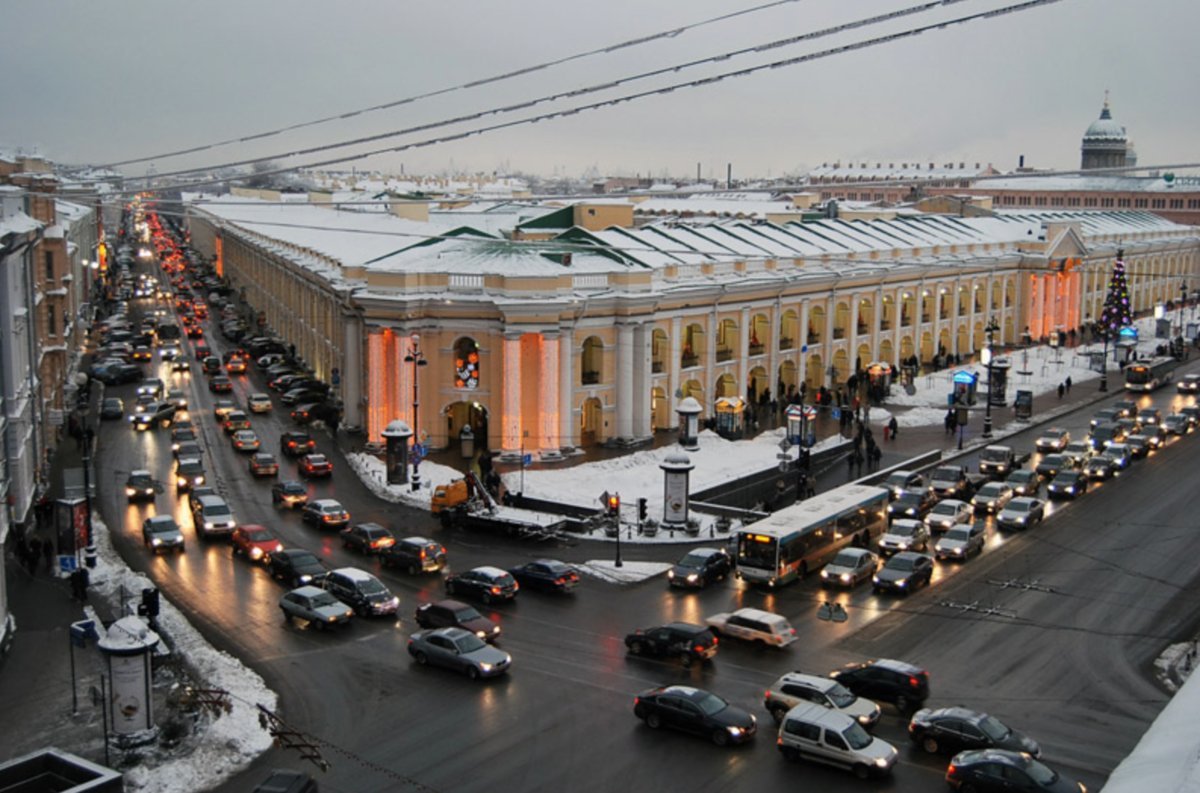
(757,207)
(908,171)
(486,255)
(18,223)
(1097,183)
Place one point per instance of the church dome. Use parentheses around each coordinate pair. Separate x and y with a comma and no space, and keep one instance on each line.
(1104,128)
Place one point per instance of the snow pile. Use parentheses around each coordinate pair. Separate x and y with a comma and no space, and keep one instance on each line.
(373,473)
(627,573)
(228,743)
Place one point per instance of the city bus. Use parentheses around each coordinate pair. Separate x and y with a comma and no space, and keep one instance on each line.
(799,539)
(1149,375)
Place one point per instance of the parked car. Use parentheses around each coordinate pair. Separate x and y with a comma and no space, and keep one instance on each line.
(700,567)
(753,625)
(547,575)
(289,493)
(814,733)
(366,537)
(414,555)
(1053,439)
(904,534)
(310,605)
(315,465)
(949,512)
(996,770)
(1024,482)
(886,680)
(903,573)
(960,542)
(992,497)
(456,614)
(326,513)
(295,567)
(1022,513)
(255,542)
(460,650)
(161,533)
(140,486)
(794,688)
(361,591)
(264,464)
(486,583)
(696,711)
(684,640)
(850,567)
(952,730)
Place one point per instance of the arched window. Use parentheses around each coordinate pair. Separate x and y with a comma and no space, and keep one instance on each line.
(466,363)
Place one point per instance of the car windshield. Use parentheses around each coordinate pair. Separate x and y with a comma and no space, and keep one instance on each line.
(469,643)
(259,535)
(899,530)
(217,509)
(1021,476)
(900,563)
(331,509)
(371,586)
(1019,505)
(693,560)
(711,704)
(945,509)
(1041,774)
(959,534)
(945,474)
(462,615)
(305,560)
(845,559)
(991,489)
(1066,477)
(993,454)
(909,499)
(840,696)
(294,487)
(898,479)
(993,729)
(324,599)
(857,737)
(162,526)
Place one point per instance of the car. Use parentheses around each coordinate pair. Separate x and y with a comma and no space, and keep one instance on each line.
(899,683)
(684,640)
(181,366)
(817,734)
(112,408)
(1105,416)
(177,397)
(161,533)
(850,567)
(899,482)
(194,331)
(362,591)
(1050,465)
(904,534)
(290,493)
(196,492)
(1024,482)
(700,567)
(1177,424)
(211,365)
(1126,408)
(992,497)
(947,513)
(222,408)
(953,730)
(152,386)
(268,360)
(255,542)
(118,374)
(235,421)
(212,516)
(1188,384)
(993,770)
(456,614)
(187,449)
(912,504)
(1121,454)
(181,435)
(296,567)
(310,605)
(546,575)
(304,414)
(259,403)
(296,444)
(314,465)
(245,441)
(960,542)
(1021,513)
(263,464)
(1100,467)
(753,625)
(149,414)
(1079,451)
(1102,435)
(903,573)
(1054,439)
(1139,446)
(325,512)
(697,711)
(794,688)
(414,555)
(140,486)
(189,473)
(1068,484)
(170,353)
(1148,417)
(201,351)
(950,481)
(460,650)
(1130,425)
(486,583)
(1192,412)
(366,537)
(235,366)
(220,384)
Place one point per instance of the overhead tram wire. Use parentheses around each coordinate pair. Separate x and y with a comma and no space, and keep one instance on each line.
(663,90)
(596,88)
(545,65)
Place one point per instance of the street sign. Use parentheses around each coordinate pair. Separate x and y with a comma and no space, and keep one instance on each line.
(836,413)
(527,460)
(783,456)
(784,445)
(67,564)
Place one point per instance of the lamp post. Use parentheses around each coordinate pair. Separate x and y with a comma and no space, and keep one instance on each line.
(1104,369)
(417,359)
(986,356)
(1182,300)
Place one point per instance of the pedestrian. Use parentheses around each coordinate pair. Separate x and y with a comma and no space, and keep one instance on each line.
(79,584)
(1061,390)
(876,457)
(48,554)
(33,554)
(850,465)
(886,432)
(1067,383)
(858,461)
(893,426)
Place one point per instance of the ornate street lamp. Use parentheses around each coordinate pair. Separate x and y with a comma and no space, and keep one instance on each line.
(986,357)
(417,359)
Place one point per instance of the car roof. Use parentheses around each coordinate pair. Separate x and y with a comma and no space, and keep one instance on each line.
(898,666)
(326,503)
(813,713)
(453,605)
(418,540)
(211,501)
(812,681)
(494,572)
(449,632)
(858,551)
(686,627)
(370,526)
(161,519)
(139,472)
(956,712)
(1002,756)
(308,590)
(908,556)
(758,614)
(354,573)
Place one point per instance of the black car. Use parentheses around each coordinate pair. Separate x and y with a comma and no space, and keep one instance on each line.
(903,573)
(290,493)
(952,730)
(414,555)
(140,486)
(1050,465)
(485,583)
(366,537)
(995,770)
(119,374)
(912,504)
(112,408)
(546,575)
(686,640)
(1068,484)
(456,614)
(885,680)
(296,567)
(700,567)
(297,396)
(1024,482)
(297,444)
(1100,467)
(696,711)
(361,591)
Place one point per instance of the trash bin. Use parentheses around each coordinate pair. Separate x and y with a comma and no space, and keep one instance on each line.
(467,440)
(89,556)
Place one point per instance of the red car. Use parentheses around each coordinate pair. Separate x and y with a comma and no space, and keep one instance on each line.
(315,465)
(255,542)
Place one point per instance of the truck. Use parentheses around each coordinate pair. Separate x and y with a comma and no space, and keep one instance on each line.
(465,503)
(951,480)
(998,462)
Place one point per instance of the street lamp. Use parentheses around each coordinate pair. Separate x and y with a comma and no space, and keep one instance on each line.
(1104,368)
(417,359)
(1182,300)
(986,357)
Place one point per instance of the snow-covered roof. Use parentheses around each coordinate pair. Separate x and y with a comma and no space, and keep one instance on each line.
(18,223)
(1089,183)
(903,171)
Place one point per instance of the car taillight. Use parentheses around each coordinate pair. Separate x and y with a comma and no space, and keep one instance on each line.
(495,590)
(767,694)
(422,554)
(951,770)
(560,581)
(914,682)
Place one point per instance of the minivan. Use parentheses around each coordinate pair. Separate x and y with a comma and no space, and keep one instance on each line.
(827,736)
(212,516)
(361,591)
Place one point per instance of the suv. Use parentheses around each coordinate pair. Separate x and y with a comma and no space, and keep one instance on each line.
(826,736)
(414,555)
(700,568)
(885,680)
(686,640)
(754,625)
(361,591)
(212,515)
(795,687)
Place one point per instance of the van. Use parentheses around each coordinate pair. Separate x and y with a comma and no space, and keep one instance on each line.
(754,625)
(212,516)
(826,736)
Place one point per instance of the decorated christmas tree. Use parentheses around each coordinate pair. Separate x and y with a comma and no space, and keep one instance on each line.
(1116,313)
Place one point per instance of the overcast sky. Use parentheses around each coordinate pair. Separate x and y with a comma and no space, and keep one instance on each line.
(87,81)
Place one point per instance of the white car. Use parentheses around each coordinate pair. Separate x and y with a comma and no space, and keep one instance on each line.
(1021,513)
(960,542)
(850,567)
(259,403)
(754,625)
(904,534)
(948,513)
(1054,439)
(795,687)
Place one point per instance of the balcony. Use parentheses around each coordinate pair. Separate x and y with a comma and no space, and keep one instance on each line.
(657,367)
(724,354)
(756,349)
(813,338)
(590,378)
(885,324)
(688,361)
(785,343)
(925,317)
(839,333)
(862,328)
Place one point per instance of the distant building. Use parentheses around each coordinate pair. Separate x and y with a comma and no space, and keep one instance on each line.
(891,183)
(1105,144)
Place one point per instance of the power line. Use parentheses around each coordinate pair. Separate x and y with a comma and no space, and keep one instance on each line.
(545,65)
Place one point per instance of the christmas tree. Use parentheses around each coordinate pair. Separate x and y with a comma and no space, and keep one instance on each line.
(1116,313)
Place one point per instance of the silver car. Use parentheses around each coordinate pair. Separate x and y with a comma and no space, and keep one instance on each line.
(458,649)
(1054,439)
(904,534)
(992,497)
(948,513)
(850,567)
(310,605)
(959,543)
(1022,513)
(161,533)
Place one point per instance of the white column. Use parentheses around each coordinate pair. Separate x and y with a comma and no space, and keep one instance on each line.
(827,358)
(567,426)
(511,420)
(673,379)
(802,343)
(772,341)
(743,355)
(548,383)
(643,335)
(852,331)
(897,306)
(624,382)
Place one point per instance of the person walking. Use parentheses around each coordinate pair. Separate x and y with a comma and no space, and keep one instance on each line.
(48,554)
(1067,383)
(1061,390)
(33,554)
(892,427)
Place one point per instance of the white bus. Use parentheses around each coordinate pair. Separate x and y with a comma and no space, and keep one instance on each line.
(799,539)
(1149,375)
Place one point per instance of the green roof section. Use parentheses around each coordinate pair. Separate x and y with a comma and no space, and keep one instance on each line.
(460,231)
(560,219)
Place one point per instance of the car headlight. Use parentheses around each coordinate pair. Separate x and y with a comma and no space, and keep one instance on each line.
(670,574)
(485,667)
(156,541)
(735,732)
(256,553)
(845,577)
(875,579)
(129,491)
(692,578)
(825,574)
(181,481)
(304,579)
(865,719)
(957,551)
(1071,489)
(881,762)
(902,545)
(902,582)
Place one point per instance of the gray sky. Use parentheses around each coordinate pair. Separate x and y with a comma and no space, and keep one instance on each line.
(87,81)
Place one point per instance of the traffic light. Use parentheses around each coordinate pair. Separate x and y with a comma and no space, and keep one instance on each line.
(149,607)
(614,504)
(643,510)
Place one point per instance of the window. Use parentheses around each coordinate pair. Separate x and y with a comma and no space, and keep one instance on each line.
(466,363)
(835,740)
(51,323)
(49,266)
(802,729)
